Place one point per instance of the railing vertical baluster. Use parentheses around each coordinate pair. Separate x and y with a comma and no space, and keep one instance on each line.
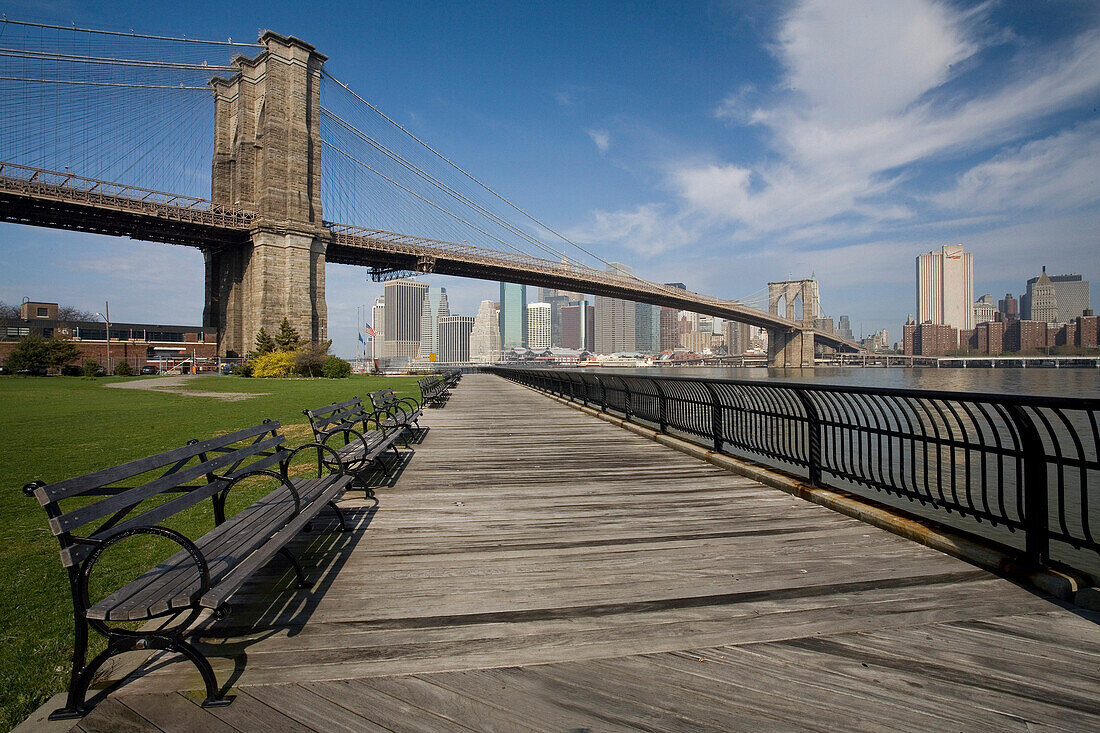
(1036,520)
(813,434)
(715,417)
(662,406)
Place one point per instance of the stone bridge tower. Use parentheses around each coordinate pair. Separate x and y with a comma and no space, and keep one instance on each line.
(793,348)
(267,159)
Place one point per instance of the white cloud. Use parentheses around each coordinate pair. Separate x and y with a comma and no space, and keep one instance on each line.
(1056,173)
(866,104)
(602,138)
(854,60)
(565,98)
(647,230)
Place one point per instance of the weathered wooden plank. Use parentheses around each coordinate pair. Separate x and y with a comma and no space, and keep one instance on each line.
(312,710)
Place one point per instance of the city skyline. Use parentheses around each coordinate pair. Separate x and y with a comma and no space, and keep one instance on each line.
(987,139)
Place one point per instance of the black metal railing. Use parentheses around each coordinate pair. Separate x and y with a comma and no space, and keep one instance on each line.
(1023,463)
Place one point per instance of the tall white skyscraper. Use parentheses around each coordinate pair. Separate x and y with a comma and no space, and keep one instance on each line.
(404,303)
(378,323)
(485,335)
(433,308)
(454,338)
(538,326)
(945,287)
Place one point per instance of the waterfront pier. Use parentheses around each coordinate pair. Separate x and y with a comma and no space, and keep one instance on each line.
(532,567)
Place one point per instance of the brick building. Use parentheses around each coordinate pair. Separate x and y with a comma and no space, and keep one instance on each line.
(136,343)
(929,339)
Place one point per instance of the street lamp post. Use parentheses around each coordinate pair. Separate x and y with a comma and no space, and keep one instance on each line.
(107,319)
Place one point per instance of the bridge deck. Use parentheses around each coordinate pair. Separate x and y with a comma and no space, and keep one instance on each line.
(534,568)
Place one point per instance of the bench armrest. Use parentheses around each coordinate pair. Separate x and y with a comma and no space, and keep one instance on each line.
(270,474)
(412,402)
(320,447)
(102,544)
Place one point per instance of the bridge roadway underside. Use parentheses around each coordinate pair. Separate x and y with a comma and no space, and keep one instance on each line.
(536,568)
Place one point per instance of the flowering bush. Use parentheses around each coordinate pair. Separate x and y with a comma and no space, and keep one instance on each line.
(274,364)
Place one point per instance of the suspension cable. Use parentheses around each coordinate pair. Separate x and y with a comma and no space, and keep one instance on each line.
(73,58)
(441,185)
(461,170)
(131,34)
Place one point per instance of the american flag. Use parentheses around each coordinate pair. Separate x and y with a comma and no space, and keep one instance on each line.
(370,331)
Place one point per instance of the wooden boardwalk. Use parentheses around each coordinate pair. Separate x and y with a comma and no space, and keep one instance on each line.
(533,568)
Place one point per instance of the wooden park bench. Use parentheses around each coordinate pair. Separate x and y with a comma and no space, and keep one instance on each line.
(359,436)
(402,413)
(136,498)
(433,390)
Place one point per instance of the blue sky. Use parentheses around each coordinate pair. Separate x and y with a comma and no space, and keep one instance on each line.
(721,144)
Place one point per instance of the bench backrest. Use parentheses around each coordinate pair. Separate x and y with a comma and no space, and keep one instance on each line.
(195,471)
(337,417)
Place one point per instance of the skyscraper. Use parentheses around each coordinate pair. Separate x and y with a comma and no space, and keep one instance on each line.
(578,326)
(404,302)
(843,329)
(945,288)
(454,338)
(1054,298)
(485,334)
(538,326)
(1009,307)
(647,328)
(433,308)
(513,316)
(557,302)
(615,319)
(378,319)
(984,309)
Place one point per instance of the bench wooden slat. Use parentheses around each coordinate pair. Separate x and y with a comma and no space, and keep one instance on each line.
(105,507)
(237,543)
(215,597)
(90,481)
(76,553)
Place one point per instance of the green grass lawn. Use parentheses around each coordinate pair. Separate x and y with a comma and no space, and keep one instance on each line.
(59,427)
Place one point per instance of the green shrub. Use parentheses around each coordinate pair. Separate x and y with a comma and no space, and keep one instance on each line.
(336,368)
(91,368)
(275,364)
(244,369)
(34,354)
(122,369)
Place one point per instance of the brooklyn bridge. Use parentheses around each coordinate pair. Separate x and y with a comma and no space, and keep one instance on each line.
(110,133)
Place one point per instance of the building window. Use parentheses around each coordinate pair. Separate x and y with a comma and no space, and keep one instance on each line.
(47,332)
(43,312)
(170,336)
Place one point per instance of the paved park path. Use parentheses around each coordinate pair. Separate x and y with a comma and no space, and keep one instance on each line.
(534,568)
(177,384)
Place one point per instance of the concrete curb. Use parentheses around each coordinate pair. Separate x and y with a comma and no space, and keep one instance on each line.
(1067,586)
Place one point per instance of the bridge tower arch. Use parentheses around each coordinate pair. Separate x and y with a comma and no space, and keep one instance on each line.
(267,159)
(793,348)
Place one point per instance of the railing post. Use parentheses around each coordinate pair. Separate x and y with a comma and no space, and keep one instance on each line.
(662,406)
(715,418)
(813,434)
(626,399)
(1034,486)
(602,403)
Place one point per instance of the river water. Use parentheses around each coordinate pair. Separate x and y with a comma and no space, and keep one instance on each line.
(1034,381)
(1072,382)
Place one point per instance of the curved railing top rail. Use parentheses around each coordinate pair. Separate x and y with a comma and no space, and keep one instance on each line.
(1084,403)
